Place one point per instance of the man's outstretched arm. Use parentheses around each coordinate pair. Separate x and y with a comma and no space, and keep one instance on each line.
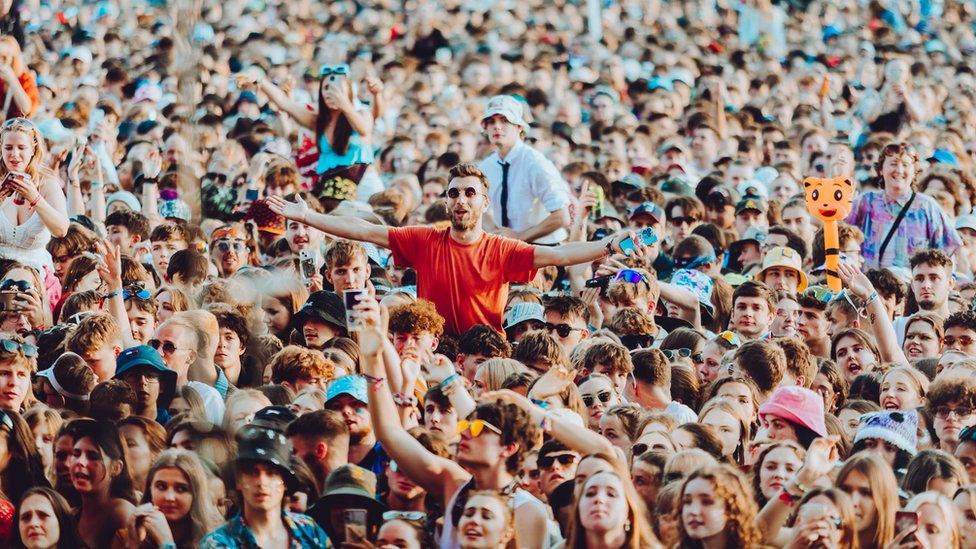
(344,227)
(574,253)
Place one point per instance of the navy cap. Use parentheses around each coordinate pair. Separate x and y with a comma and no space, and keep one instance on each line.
(651,209)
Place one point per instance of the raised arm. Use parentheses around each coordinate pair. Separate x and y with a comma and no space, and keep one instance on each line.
(878,322)
(574,253)
(281,100)
(436,474)
(343,227)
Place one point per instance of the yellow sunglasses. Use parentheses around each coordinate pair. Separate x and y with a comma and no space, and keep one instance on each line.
(476,427)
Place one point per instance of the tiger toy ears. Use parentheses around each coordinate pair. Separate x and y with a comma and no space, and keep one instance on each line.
(829,199)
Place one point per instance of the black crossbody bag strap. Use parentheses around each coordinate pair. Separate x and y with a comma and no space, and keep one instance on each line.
(894,228)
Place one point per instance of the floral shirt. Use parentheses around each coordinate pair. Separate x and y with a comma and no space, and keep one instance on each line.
(925,226)
(234,534)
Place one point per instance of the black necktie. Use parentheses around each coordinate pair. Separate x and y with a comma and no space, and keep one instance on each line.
(505,166)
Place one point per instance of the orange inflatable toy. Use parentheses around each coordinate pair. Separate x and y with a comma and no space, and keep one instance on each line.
(829,200)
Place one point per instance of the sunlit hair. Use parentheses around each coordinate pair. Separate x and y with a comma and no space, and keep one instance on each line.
(949,516)
(509,535)
(884,492)
(723,404)
(494,371)
(638,535)
(36,167)
(203,516)
(730,487)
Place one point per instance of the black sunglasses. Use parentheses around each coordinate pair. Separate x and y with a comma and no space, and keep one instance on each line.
(636,341)
(168,347)
(562,329)
(546,462)
(469,192)
(590,400)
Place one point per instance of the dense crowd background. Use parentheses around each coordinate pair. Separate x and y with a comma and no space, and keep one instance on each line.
(487,274)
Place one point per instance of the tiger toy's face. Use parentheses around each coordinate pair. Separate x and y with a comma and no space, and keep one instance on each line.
(829,199)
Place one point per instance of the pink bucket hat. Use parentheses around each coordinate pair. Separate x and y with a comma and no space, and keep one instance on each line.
(797,405)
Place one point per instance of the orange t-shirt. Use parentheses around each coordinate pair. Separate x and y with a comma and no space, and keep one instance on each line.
(467,283)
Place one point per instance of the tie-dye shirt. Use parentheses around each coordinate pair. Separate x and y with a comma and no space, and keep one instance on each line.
(925,226)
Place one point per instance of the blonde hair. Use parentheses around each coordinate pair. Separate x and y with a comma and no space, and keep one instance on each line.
(241,395)
(945,507)
(921,382)
(36,168)
(494,371)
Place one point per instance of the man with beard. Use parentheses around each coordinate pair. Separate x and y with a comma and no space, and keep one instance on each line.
(229,249)
(462,269)
(931,283)
(347,396)
(321,440)
(529,198)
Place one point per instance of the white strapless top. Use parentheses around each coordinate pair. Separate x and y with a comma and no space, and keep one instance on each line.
(26,243)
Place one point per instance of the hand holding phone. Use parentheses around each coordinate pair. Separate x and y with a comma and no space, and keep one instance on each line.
(646,236)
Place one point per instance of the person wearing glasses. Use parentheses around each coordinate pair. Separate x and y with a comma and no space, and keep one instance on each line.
(951,399)
(343,127)
(143,369)
(230,249)
(463,270)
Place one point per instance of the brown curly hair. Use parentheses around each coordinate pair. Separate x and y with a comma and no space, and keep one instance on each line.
(730,486)
(419,316)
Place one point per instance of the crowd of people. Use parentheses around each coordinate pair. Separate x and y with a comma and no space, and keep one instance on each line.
(488,274)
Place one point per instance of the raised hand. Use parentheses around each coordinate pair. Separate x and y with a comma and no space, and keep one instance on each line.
(372,334)
(855,281)
(110,268)
(553,382)
(296,211)
(820,460)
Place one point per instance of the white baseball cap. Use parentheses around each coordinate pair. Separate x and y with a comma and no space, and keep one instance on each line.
(967,221)
(507,106)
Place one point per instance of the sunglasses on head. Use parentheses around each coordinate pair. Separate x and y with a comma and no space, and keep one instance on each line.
(820,293)
(639,449)
(563,330)
(476,427)
(547,461)
(693,262)
(602,396)
(141,294)
(12,346)
(469,192)
(413,516)
(10,284)
(630,275)
(338,70)
(731,338)
(672,354)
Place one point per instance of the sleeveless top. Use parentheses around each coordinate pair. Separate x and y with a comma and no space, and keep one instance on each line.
(356,153)
(26,242)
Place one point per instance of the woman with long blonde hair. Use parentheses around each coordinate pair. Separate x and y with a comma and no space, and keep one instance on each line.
(32,204)
(871,483)
(176,505)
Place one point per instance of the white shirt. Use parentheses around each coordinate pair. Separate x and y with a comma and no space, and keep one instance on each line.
(535,189)
(681,412)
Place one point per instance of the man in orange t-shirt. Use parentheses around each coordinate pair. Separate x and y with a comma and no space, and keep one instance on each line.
(462,269)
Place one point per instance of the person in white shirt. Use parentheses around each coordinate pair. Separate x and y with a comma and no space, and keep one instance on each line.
(650,385)
(529,198)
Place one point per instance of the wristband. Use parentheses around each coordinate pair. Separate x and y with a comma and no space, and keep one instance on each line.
(609,246)
(110,295)
(376,382)
(447,380)
(404,401)
(168,545)
(872,297)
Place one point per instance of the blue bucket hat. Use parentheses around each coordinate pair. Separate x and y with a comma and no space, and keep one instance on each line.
(145,358)
(352,385)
